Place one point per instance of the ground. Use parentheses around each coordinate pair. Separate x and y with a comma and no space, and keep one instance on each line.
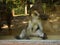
(18,23)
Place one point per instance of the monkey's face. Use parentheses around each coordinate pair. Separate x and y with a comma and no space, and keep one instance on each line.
(35,16)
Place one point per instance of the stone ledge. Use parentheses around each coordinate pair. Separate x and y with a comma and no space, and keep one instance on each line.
(29,42)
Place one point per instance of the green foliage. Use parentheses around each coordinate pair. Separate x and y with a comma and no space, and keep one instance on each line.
(20,7)
(11,4)
(20,10)
(16,5)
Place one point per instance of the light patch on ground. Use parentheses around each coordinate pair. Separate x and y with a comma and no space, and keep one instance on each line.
(5,26)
